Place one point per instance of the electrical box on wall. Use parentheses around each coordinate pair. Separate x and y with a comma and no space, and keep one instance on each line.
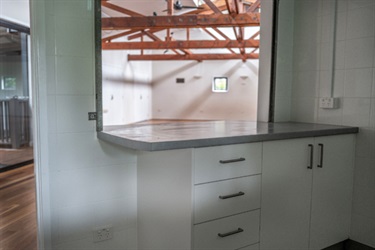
(180,80)
(329,103)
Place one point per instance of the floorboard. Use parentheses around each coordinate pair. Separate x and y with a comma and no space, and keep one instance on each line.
(10,158)
(18,228)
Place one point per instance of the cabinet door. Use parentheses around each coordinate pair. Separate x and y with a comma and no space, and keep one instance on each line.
(286,194)
(332,190)
(164,189)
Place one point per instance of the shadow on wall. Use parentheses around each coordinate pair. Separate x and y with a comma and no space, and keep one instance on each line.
(176,71)
(128,77)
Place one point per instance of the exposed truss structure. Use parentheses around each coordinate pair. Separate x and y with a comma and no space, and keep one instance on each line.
(138,32)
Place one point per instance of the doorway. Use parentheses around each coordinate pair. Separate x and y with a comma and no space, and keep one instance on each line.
(17,183)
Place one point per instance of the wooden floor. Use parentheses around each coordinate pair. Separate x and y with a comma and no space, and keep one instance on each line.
(14,157)
(18,228)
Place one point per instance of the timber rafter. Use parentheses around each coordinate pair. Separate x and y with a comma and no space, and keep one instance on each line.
(191,21)
(210,18)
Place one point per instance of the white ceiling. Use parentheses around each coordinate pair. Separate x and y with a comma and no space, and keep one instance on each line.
(145,7)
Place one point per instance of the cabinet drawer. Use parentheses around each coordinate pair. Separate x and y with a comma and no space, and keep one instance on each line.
(252,247)
(235,232)
(224,162)
(224,198)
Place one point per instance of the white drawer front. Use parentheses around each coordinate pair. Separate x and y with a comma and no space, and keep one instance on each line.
(236,161)
(206,235)
(224,198)
(252,247)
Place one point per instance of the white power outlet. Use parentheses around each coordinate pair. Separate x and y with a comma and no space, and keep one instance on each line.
(329,103)
(102,233)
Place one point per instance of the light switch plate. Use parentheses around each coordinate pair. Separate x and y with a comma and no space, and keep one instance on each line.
(329,103)
(92,116)
(102,233)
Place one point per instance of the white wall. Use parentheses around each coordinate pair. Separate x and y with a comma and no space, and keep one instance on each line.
(265,61)
(82,182)
(16,11)
(354,84)
(284,61)
(195,100)
(126,88)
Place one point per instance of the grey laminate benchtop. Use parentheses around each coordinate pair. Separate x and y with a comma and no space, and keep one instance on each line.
(177,135)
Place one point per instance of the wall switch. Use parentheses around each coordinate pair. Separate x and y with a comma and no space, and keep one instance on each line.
(92,116)
(102,233)
(329,103)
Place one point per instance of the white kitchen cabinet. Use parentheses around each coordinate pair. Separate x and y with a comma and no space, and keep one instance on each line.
(203,198)
(229,161)
(332,190)
(247,224)
(165,195)
(208,205)
(219,197)
(306,205)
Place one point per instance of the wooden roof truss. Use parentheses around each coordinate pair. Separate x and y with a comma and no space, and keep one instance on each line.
(134,31)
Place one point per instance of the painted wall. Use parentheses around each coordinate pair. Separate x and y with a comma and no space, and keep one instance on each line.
(127,92)
(82,182)
(15,11)
(354,84)
(284,61)
(195,100)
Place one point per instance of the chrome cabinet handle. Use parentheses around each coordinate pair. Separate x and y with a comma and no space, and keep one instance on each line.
(239,230)
(232,160)
(223,197)
(310,166)
(321,146)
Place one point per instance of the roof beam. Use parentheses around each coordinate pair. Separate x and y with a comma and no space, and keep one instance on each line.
(213,6)
(137,34)
(206,11)
(192,44)
(254,6)
(195,57)
(170,7)
(212,35)
(122,34)
(197,21)
(120,9)
(229,6)
(155,38)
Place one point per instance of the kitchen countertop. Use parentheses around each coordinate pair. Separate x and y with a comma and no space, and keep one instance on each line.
(194,134)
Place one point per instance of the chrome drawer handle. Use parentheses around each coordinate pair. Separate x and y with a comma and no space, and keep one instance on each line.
(231,161)
(239,230)
(223,197)
(310,166)
(320,165)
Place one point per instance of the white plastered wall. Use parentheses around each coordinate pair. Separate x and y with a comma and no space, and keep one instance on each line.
(16,11)
(82,182)
(194,99)
(127,92)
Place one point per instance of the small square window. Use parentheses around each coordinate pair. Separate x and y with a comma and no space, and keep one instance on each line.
(8,83)
(220,84)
